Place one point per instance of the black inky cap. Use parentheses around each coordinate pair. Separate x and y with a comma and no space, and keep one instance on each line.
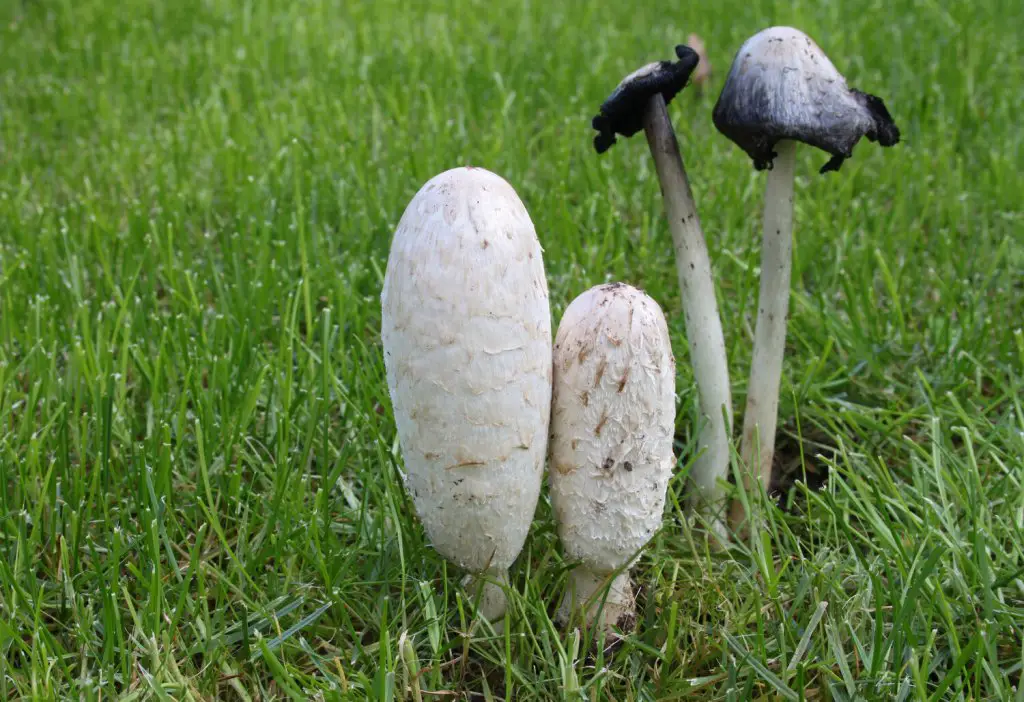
(782,86)
(623,112)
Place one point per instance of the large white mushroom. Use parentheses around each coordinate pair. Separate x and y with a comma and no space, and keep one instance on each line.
(610,451)
(782,89)
(639,102)
(466,331)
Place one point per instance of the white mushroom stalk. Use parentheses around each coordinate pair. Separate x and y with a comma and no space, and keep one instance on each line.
(640,102)
(466,331)
(610,451)
(782,89)
(758,440)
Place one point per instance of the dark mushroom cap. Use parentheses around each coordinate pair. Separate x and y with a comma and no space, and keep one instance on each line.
(782,86)
(623,112)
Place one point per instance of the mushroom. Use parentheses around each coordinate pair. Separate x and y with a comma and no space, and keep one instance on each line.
(466,332)
(610,449)
(782,89)
(640,102)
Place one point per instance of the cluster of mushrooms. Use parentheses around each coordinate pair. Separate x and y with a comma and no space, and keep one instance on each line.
(482,398)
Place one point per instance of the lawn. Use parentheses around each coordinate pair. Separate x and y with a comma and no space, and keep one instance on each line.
(201,494)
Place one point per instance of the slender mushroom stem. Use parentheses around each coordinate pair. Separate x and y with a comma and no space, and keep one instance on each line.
(757,446)
(703,324)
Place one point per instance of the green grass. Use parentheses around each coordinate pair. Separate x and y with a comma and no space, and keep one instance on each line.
(200,496)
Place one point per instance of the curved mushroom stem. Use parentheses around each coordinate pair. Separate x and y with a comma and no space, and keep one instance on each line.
(757,446)
(586,589)
(703,324)
(492,599)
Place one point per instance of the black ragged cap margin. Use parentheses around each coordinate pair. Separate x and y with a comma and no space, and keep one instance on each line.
(623,112)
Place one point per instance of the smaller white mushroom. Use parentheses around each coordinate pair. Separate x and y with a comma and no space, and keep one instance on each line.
(610,451)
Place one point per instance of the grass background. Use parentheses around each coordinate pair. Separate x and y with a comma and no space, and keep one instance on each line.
(199,496)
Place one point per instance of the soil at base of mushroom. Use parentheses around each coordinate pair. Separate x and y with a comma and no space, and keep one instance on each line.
(787,471)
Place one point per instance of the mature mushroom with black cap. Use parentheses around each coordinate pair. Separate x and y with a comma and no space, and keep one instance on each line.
(639,102)
(782,89)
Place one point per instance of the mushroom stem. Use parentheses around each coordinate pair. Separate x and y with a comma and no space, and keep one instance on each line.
(488,587)
(703,324)
(757,446)
(586,588)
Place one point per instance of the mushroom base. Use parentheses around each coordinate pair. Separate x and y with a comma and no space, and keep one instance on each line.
(585,594)
(487,591)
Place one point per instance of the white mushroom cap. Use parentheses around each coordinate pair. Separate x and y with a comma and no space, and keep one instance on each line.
(781,85)
(466,330)
(612,425)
